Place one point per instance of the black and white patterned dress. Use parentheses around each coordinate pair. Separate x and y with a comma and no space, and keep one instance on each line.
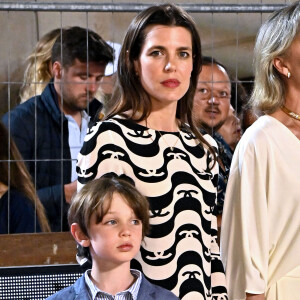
(181,252)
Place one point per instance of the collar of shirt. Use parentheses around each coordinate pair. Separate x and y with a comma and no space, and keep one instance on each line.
(84,117)
(129,294)
(76,138)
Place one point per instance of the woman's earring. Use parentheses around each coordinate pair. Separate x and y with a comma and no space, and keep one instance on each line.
(288,74)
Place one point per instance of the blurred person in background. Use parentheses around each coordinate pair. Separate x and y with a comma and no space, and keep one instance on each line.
(231,129)
(210,111)
(49,129)
(239,101)
(108,81)
(20,209)
(38,71)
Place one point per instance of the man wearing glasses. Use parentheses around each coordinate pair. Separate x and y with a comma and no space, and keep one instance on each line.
(211,108)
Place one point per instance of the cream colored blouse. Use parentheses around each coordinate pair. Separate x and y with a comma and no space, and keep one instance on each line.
(260,239)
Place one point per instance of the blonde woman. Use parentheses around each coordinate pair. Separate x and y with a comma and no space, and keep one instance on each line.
(38,71)
(260,241)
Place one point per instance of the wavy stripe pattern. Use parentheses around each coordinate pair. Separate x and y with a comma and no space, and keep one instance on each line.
(181,252)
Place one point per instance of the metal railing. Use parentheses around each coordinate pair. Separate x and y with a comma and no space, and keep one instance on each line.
(136,7)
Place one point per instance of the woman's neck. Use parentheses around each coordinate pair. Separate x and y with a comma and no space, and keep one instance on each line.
(292,99)
(291,123)
(162,120)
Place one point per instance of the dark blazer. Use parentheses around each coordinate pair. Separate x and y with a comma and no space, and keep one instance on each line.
(40,131)
(79,290)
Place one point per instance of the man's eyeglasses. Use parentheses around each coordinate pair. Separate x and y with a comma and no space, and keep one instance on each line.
(207,94)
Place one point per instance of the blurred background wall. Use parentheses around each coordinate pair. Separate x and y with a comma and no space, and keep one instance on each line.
(228,34)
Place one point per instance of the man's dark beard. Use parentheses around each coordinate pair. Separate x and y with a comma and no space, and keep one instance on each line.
(210,130)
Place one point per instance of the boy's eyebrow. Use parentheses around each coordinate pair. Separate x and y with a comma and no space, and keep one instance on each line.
(110,212)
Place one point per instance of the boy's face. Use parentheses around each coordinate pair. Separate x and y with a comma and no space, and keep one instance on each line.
(117,238)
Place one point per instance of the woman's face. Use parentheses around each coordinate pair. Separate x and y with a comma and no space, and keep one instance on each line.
(165,64)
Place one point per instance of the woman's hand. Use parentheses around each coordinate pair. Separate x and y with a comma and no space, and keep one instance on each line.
(255,296)
(70,190)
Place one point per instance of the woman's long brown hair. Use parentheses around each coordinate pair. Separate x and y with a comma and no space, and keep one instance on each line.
(15,175)
(129,94)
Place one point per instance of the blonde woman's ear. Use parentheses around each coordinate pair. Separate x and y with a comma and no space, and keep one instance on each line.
(79,236)
(281,67)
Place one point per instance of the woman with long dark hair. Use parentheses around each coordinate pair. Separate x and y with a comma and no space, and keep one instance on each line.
(149,136)
(20,209)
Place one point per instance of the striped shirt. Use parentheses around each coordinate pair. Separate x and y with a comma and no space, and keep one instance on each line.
(174,172)
(129,294)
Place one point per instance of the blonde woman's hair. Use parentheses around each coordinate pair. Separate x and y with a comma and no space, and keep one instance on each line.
(273,40)
(38,70)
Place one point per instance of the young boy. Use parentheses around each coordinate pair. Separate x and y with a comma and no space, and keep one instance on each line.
(109,218)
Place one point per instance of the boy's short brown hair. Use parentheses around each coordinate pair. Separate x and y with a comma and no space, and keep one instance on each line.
(96,196)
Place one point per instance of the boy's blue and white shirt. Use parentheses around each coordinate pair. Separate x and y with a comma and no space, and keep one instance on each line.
(130,294)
